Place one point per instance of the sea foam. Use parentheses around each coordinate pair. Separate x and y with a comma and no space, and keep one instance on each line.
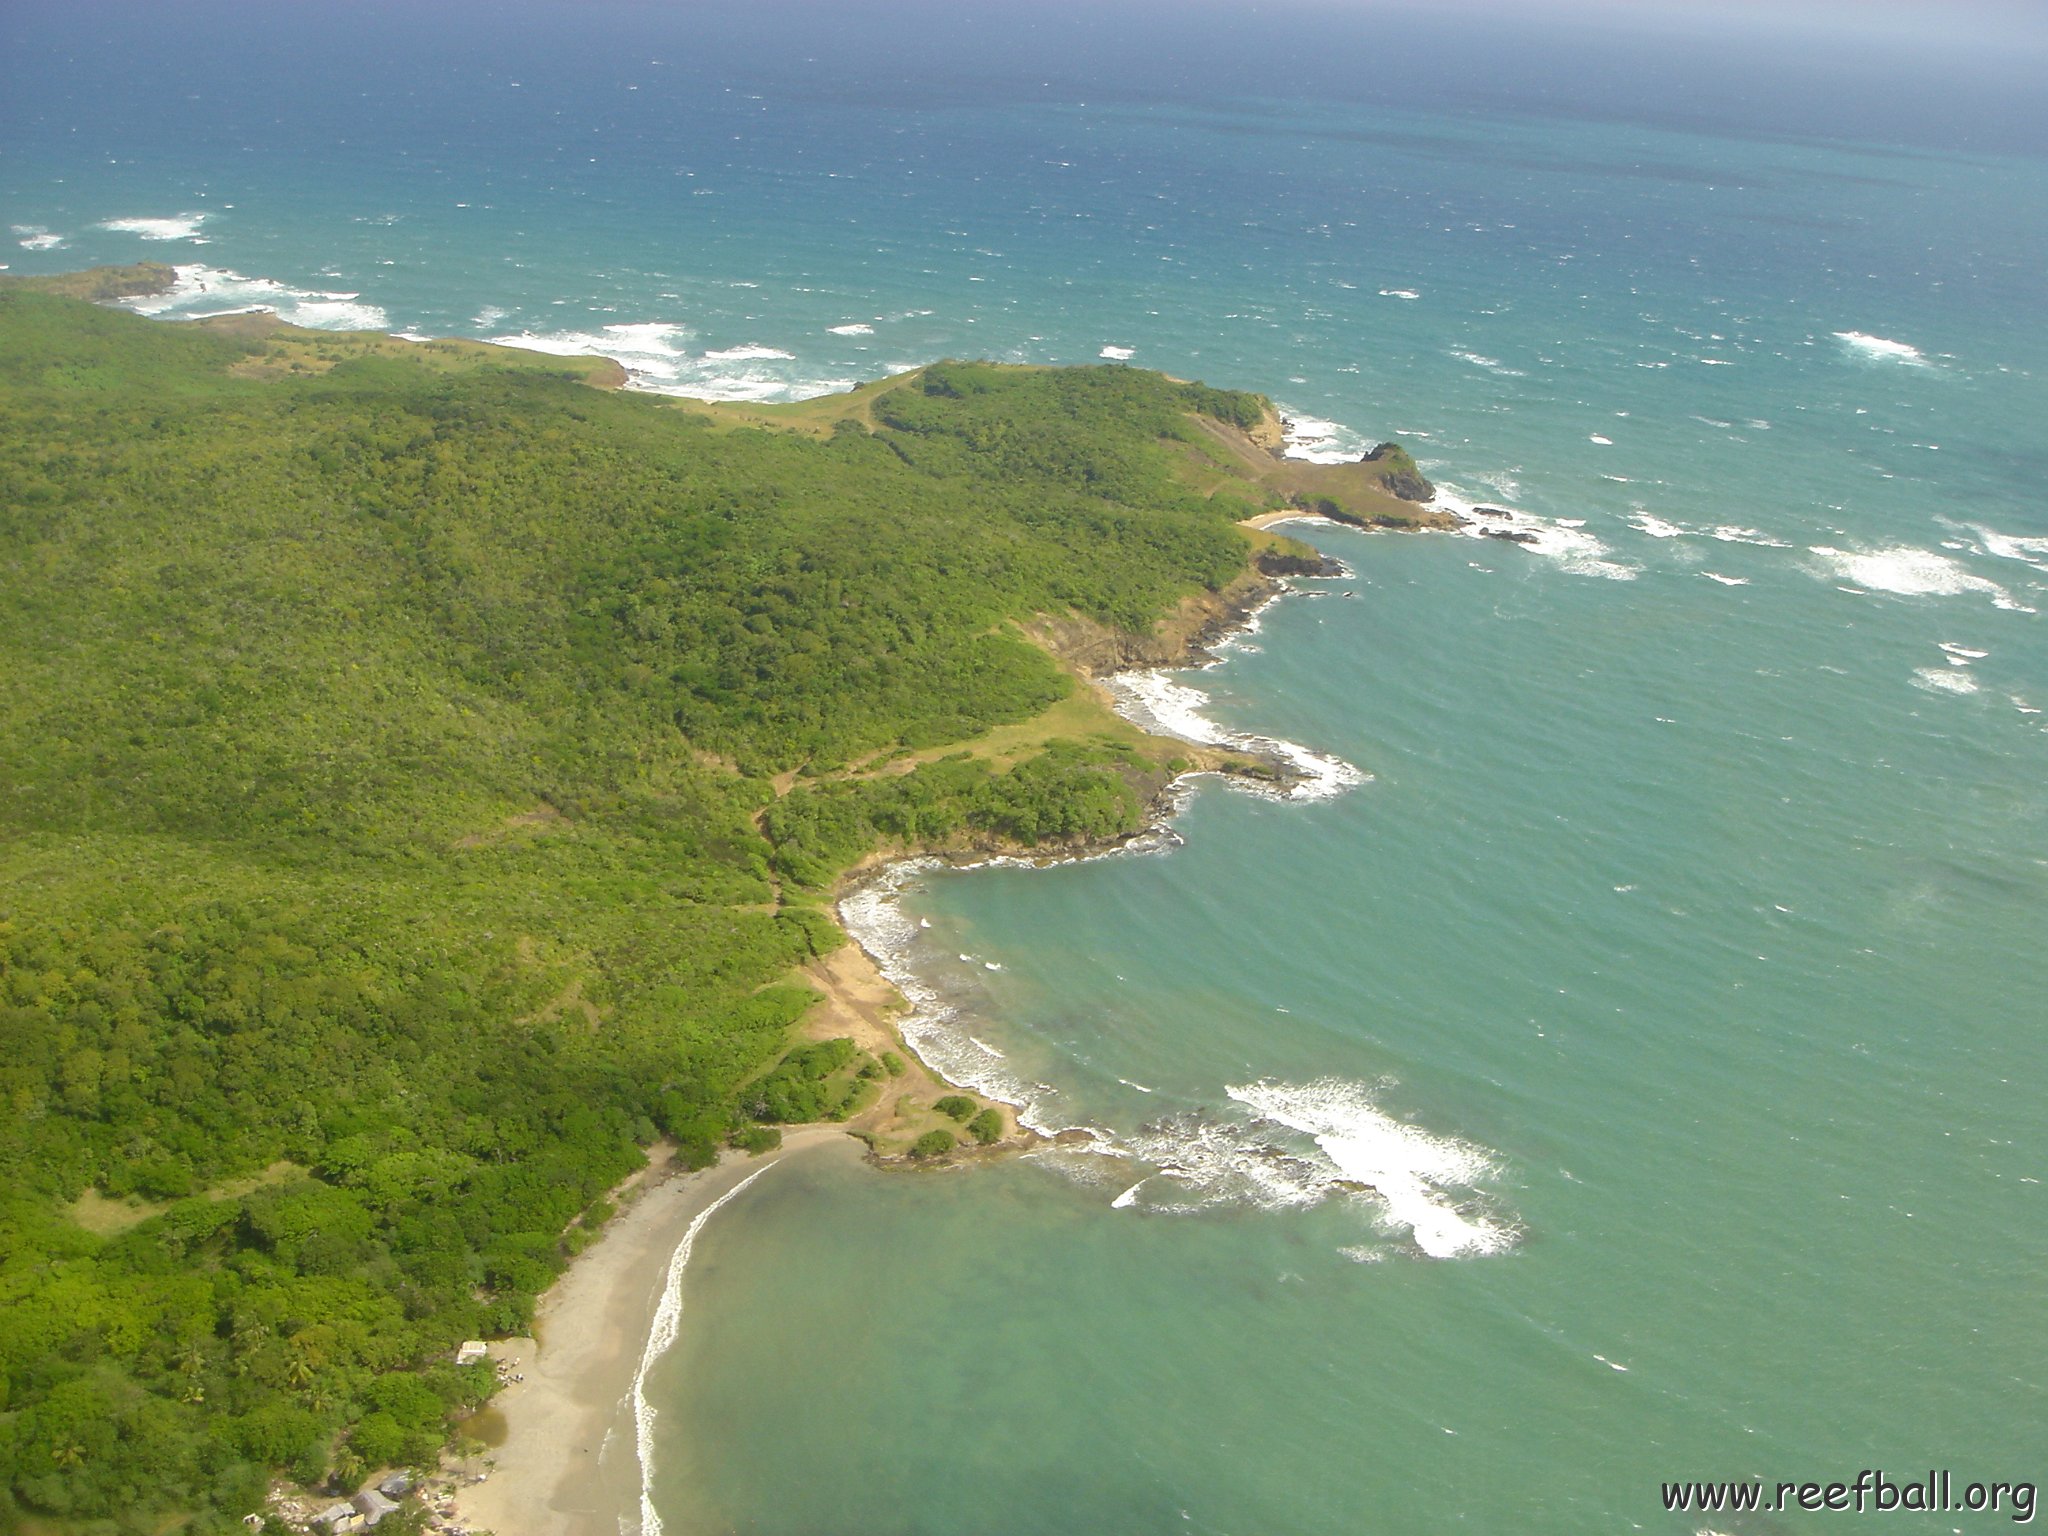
(658,358)
(1880,349)
(1564,540)
(1158,702)
(33,237)
(202,292)
(1943,680)
(873,916)
(1418,1175)
(1317,441)
(668,1316)
(184,227)
(1305,1143)
(1906,571)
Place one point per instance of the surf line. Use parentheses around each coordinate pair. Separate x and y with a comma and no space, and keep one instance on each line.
(667,1323)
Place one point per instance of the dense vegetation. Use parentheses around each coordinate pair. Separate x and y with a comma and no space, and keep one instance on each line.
(389,840)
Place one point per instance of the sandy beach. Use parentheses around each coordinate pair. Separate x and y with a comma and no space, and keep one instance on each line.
(568,1465)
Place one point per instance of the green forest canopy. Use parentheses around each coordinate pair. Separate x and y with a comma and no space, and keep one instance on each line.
(384,750)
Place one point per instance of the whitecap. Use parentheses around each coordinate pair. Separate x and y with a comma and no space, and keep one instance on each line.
(855,329)
(1906,571)
(1961,655)
(184,227)
(752,352)
(1604,442)
(33,237)
(1943,680)
(1881,349)
(1726,581)
(1490,364)
(2026,549)
(1118,354)
(1399,293)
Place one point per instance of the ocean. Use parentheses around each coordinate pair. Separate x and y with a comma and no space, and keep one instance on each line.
(1623,1065)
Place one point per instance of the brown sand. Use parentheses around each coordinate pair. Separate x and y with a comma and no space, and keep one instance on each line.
(568,1465)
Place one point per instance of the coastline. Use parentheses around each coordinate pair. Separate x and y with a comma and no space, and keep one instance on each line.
(569,1463)
(570,1459)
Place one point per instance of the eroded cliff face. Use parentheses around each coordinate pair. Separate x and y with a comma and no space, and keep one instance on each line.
(1179,640)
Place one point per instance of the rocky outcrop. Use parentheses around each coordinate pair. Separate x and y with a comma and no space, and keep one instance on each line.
(1282,562)
(1179,640)
(1399,474)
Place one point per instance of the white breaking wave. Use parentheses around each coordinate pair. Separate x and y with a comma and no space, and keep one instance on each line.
(201,292)
(1909,572)
(33,237)
(1649,523)
(668,1318)
(1943,680)
(1341,1143)
(1881,349)
(753,352)
(1399,293)
(1726,581)
(657,358)
(1156,702)
(1563,540)
(184,227)
(855,329)
(1319,441)
(1490,364)
(1118,354)
(2010,546)
(872,915)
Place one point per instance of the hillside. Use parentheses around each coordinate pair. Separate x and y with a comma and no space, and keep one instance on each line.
(422,775)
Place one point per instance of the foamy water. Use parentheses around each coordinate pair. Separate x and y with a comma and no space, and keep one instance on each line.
(1880,349)
(668,1317)
(1421,1177)
(1909,572)
(659,358)
(203,292)
(872,914)
(1566,541)
(1161,703)
(183,227)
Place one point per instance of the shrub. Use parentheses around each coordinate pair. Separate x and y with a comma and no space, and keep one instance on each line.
(895,1065)
(933,1144)
(987,1126)
(955,1105)
(756,1139)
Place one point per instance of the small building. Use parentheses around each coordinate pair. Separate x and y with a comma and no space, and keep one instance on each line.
(372,1506)
(396,1486)
(338,1519)
(472,1350)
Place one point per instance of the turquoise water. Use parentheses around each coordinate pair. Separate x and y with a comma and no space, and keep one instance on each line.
(1677,974)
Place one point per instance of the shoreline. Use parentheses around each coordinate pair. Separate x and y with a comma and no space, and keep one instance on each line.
(569,1461)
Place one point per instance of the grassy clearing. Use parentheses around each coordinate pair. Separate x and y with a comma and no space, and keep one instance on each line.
(814,418)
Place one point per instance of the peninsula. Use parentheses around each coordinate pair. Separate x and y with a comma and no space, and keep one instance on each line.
(427,768)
